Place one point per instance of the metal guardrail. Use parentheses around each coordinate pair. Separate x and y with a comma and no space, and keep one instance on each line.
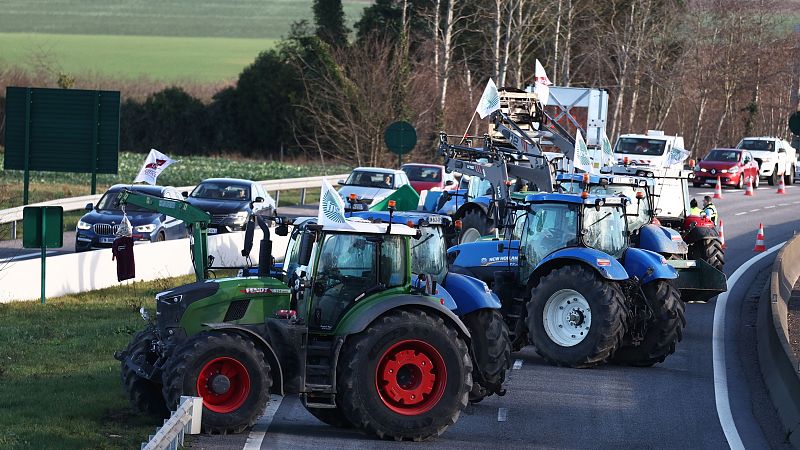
(184,420)
(779,367)
(12,215)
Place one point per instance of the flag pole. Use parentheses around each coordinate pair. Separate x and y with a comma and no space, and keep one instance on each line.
(464,136)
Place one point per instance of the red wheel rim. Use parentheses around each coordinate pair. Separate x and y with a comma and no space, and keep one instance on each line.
(411,377)
(224,384)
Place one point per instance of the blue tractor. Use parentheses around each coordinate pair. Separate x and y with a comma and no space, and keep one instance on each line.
(570,284)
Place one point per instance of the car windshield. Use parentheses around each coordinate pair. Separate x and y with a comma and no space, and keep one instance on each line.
(428,254)
(370,179)
(221,190)
(604,230)
(722,156)
(758,145)
(423,173)
(640,146)
(641,207)
(108,202)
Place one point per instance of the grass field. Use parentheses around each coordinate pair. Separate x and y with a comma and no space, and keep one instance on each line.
(180,40)
(59,382)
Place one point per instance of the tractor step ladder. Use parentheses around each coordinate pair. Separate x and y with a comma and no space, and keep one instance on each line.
(319,377)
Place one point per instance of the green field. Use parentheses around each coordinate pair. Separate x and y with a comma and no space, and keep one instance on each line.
(173,40)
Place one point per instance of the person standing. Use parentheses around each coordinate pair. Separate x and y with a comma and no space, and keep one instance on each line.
(710,209)
(694,210)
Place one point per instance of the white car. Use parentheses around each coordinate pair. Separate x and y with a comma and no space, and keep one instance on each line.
(372,184)
(775,157)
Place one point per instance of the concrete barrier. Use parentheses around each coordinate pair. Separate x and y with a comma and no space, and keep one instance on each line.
(779,367)
(80,272)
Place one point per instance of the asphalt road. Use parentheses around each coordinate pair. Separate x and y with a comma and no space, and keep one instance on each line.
(670,405)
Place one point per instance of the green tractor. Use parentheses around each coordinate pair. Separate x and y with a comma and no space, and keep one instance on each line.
(350,334)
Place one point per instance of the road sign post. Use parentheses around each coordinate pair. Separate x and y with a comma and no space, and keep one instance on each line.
(42,227)
(400,137)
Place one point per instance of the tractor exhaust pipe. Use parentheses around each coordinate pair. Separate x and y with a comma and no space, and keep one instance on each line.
(265,250)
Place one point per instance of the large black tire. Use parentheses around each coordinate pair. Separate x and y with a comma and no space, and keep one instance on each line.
(145,395)
(558,294)
(664,329)
(788,177)
(756,181)
(773,179)
(710,251)
(416,398)
(740,183)
(331,416)
(474,223)
(491,350)
(198,364)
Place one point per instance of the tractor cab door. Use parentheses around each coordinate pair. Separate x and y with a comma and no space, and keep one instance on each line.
(548,227)
(350,267)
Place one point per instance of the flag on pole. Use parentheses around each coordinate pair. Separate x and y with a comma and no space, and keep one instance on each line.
(582,159)
(331,208)
(541,83)
(675,156)
(490,100)
(155,163)
(608,152)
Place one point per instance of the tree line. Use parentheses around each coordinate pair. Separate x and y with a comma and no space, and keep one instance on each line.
(709,70)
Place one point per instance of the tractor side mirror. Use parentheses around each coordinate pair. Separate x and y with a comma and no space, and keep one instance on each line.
(340,182)
(306,245)
(89,206)
(185,194)
(259,200)
(282,230)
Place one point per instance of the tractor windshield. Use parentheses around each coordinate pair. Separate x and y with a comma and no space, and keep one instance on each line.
(604,230)
(551,226)
(479,187)
(428,254)
(641,207)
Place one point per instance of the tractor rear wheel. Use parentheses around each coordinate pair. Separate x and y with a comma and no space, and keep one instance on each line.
(710,251)
(663,331)
(580,325)
(406,376)
(145,395)
(228,371)
(491,350)
(331,416)
(474,224)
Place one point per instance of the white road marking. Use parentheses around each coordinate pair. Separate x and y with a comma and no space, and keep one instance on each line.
(705,193)
(517,364)
(796,203)
(502,414)
(783,204)
(740,214)
(256,436)
(735,190)
(718,351)
(769,207)
(754,210)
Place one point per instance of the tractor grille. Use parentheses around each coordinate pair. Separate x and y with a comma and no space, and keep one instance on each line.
(236,310)
(105,229)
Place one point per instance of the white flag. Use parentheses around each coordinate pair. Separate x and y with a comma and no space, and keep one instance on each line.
(583,161)
(541,83)
(490,100)
(331,208)
(675,156)
(608,152)
(155,163)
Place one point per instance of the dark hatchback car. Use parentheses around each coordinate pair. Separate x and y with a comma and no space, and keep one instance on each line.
(230,201)
(97,228)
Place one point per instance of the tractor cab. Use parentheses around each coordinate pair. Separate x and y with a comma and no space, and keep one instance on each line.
(637,189)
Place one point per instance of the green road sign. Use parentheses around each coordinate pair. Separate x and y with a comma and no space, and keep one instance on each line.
(35,219)
(400,137)
(794,123)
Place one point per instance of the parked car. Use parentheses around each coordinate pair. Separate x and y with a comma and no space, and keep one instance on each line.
(231,202)
(775,157)
(734,167)
(97,228)
(424,177)
(372,184)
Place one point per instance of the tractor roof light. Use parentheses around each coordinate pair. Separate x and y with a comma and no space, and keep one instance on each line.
(410,223)
(458,224)
(639,195)
(352,198)
(392,204)
(584,195)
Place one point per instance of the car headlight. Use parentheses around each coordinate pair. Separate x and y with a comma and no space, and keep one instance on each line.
(733,169)
(149,228)
(240,217)
(703,170)
(83,225)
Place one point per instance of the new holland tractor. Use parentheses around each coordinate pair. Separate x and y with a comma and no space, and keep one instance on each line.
(570,284)
(697,280)
(352,335)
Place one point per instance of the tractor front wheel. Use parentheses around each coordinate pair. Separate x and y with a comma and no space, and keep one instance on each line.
(663,330)
(144,395)
(491,350)
(406,376)
(474,224)
(575,318)
(710,251)
(228,371)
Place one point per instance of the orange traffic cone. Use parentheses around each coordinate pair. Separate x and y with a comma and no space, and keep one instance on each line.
(748,190)
(760,239)
(718,189)
(722,233)
(781,187)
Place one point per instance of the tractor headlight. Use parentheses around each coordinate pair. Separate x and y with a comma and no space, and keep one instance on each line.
(83,225)
(149,228)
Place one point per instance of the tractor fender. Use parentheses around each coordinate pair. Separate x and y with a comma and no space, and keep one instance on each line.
(605,265)
(484,253)
(272,357)
(697,234)
(441,293)
(357,319)
(472,294)
(639,262)
(662,240)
